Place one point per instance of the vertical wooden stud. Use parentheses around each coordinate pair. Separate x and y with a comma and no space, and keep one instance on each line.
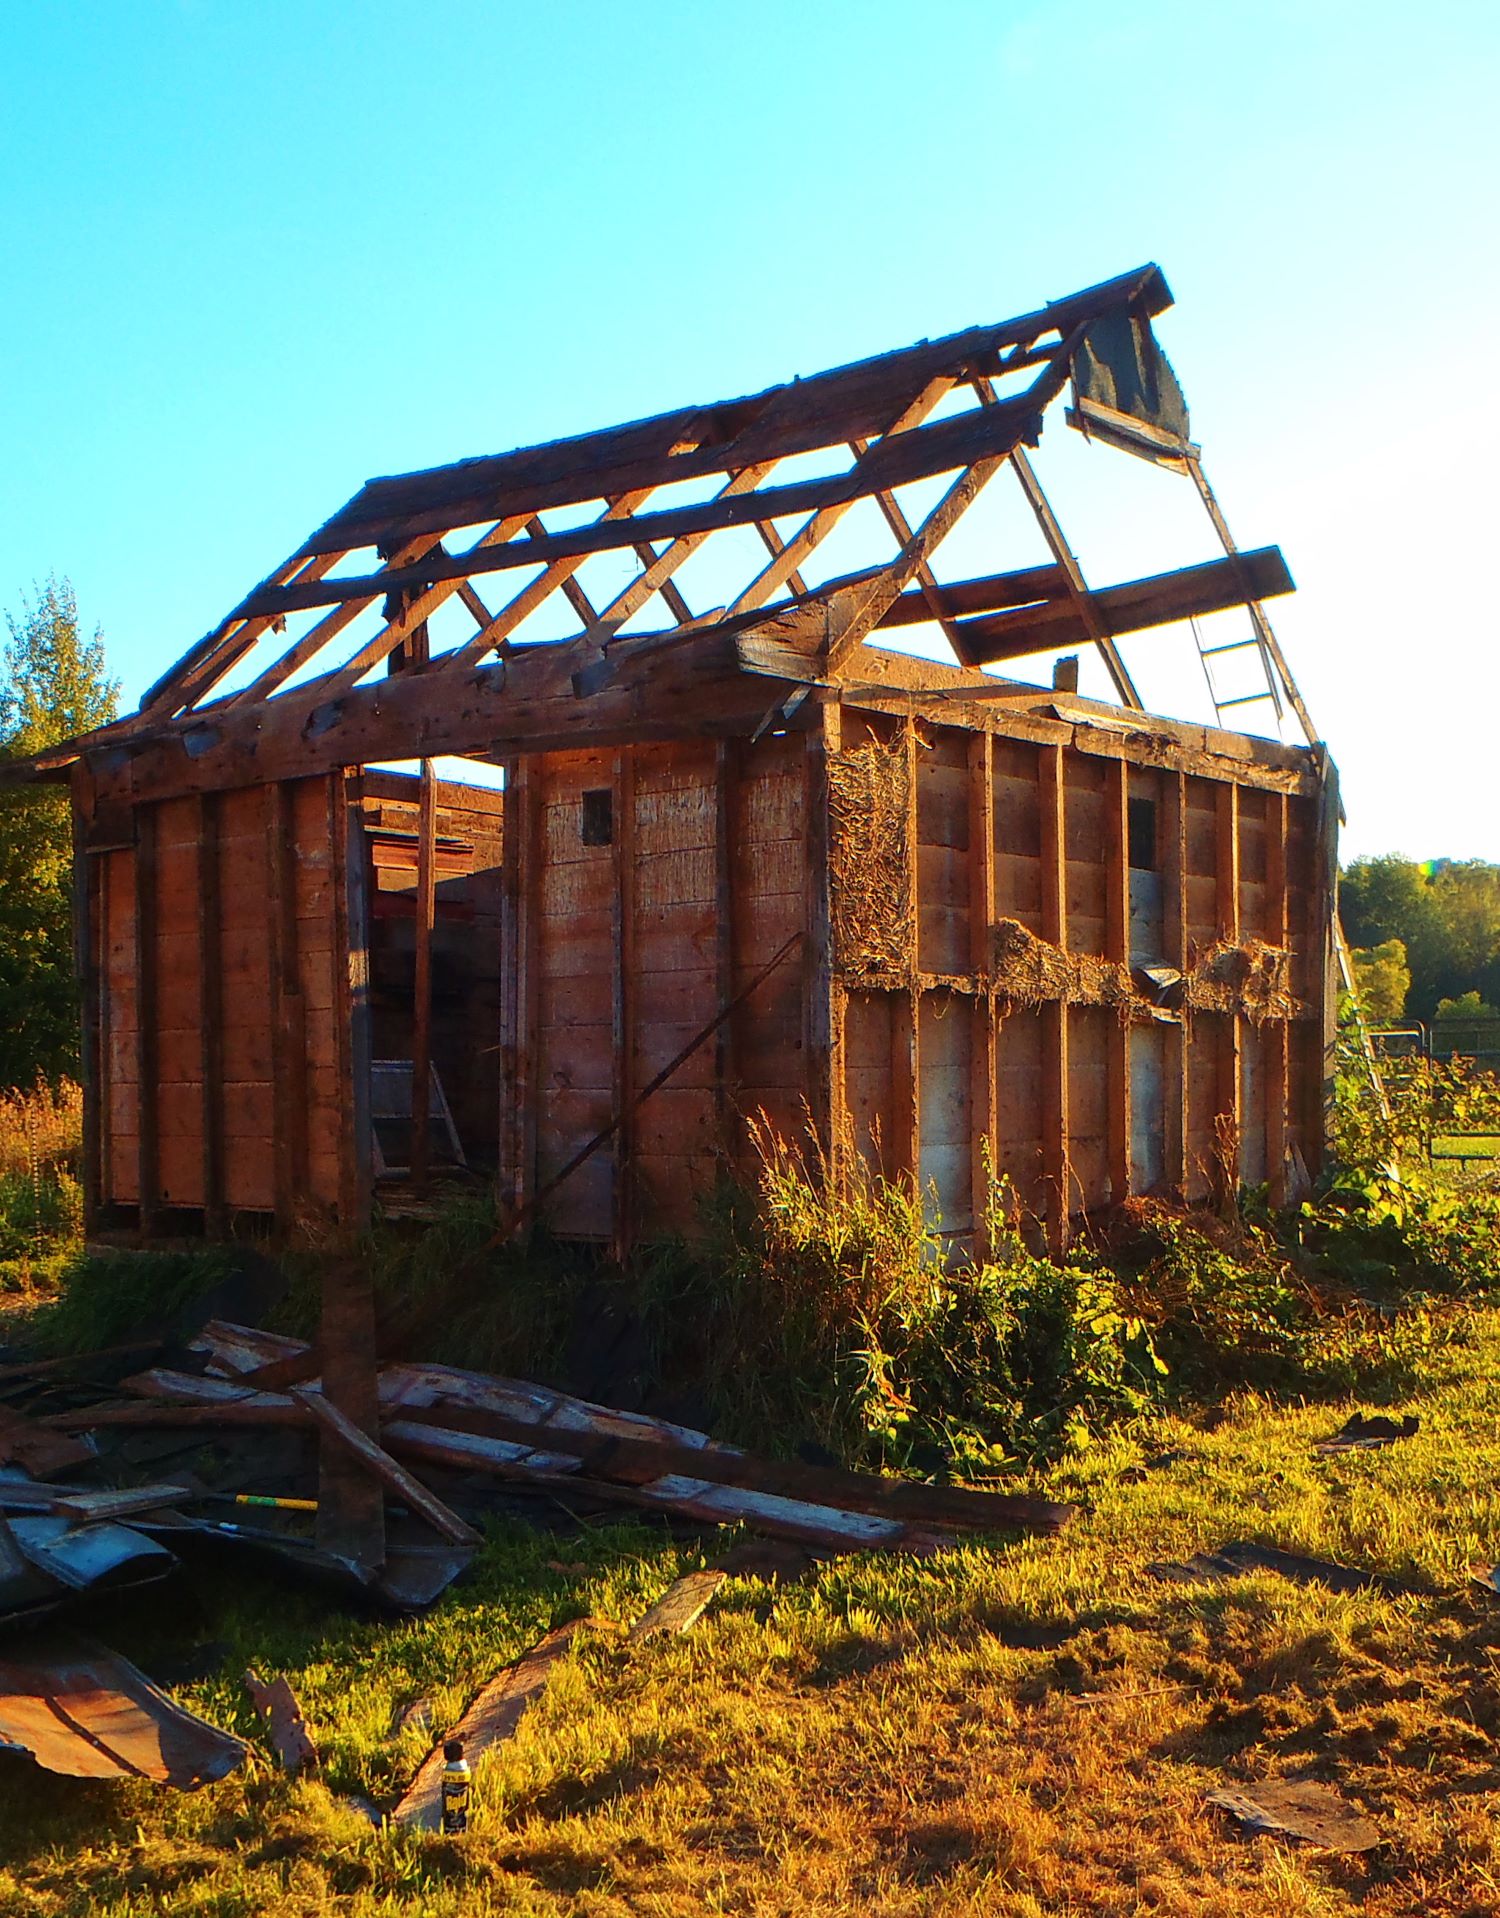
(421,991)
(1117,948)
(1055,1131)
(146,1021)
(87,924)
(1276,1030)
(983,1116)
(528,878)
(211,1031)
(622,1000)
(352,988)
(1175,951)
(1326,878)
(1230,1116)
(823,995)
(288,1011)
(726,1061)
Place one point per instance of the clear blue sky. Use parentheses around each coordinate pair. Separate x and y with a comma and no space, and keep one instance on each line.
(258,252)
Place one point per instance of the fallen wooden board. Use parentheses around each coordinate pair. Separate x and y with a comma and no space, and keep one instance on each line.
(82,1711)
(1362,1434)
(1242,1557)
(492,1718)
(38,1448)
(381,1466)
(94,1506)
(682,1604)
(277,1704)
(1299,1808)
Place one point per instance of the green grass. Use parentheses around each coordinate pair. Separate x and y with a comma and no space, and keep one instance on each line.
(1470,1145)
(890,1736)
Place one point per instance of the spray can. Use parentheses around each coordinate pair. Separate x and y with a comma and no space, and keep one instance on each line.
(455,1787)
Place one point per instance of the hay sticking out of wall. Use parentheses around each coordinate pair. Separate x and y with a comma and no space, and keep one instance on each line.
(871,880)
(1028,971)
(1246,976)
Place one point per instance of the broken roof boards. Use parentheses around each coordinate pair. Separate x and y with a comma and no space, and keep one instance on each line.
(261,917)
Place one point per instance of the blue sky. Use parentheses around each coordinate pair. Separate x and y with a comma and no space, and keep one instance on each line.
(260,252)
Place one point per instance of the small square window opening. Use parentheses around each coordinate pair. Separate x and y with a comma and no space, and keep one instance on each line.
(597,825)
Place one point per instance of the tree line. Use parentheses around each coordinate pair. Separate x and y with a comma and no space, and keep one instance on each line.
(1425,936)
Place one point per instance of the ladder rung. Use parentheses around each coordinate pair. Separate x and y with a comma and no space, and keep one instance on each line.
(1249,699)
(1236,646)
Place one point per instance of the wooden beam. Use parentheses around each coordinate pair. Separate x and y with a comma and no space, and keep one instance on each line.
(984,1119)
(351,988)
(288,1010)
(211,1027)
(351,1503)
(897,459)
(1326,879)
(1127,608)
(1056,540)
(1054,1013)
(147,1052)
(421,1024)
(727,763)
(382,1469)
(1117,948)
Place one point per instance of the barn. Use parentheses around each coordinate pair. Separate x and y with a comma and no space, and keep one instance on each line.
(546,819)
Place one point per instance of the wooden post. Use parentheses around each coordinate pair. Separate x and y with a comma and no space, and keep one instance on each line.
(1117,947)
(726,1050)
(1326,878)
(421,992)
(823,996)
(1055,1170)
(622,1002)
(352,990)
(1227,913)
(1276,1031)
(148,1116)
(288,1011)
(523,829)
(211,1032)
(984,1126)
(1175,952)
(86,974)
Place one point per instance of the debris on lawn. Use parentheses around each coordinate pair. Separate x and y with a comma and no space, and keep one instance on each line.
(1299,1808)
(491,1719)
(1362,1434)
(277,1704)
(1242,1556)
(79,1709)
(682,1604)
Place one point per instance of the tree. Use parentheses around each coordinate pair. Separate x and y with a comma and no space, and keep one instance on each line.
(1445,912)
(1382,981)
(53,686)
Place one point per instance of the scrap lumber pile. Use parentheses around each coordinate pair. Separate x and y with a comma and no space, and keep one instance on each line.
(108,1476)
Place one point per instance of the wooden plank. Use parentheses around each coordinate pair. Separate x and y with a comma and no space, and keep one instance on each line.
(1055,1129)
(211,1026)
(277,1704)
(680,1607)
(147,1096)
(1326,879)
(1131,607)
(984,1128)
(421,1039)
(1175,942)
(346,840)
(490,1720)
(1117,947)
(385,1470)
(727,766)
(288,1029)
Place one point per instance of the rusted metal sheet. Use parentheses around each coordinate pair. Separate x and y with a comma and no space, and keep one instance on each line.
(78,1709)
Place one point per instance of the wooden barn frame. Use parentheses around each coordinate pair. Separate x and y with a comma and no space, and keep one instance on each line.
(741,861)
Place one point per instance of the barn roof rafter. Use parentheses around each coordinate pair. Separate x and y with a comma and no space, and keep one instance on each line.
(283,666)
